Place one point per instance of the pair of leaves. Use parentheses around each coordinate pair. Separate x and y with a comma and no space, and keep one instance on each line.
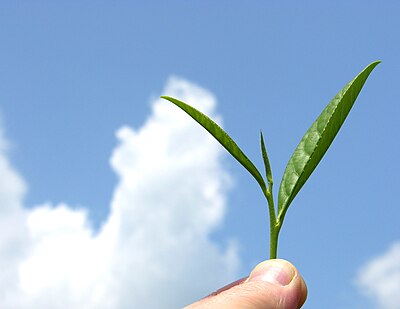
(308,153)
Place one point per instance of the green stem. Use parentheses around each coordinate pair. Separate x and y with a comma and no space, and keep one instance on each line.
(274,224)
(275,227)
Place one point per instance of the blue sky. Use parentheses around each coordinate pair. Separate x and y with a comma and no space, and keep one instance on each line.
(74,74)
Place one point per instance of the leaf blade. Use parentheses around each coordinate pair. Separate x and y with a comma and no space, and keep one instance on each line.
(222,137)
(317,140)
(267,165)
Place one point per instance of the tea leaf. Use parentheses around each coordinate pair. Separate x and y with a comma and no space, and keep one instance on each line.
(222,137)
(268,171)
(317,140)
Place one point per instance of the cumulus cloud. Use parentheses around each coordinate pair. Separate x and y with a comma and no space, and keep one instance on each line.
(154,250)
(379,279)
(12,223)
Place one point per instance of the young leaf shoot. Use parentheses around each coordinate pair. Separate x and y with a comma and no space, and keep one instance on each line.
(304,159)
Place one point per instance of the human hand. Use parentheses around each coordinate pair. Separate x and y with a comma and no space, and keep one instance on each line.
(273,284)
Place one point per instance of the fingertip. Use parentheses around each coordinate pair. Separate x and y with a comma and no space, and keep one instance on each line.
(272,284)
(283,273)
(274,271)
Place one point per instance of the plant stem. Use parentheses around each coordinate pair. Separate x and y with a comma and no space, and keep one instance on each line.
(274,224)
(274,233)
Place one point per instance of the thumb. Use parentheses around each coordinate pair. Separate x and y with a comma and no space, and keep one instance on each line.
(273,284)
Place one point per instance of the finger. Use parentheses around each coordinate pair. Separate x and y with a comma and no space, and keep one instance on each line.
(273,284)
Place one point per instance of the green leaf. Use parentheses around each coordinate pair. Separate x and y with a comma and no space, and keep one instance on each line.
(317,140)
(222,137)
(268,171)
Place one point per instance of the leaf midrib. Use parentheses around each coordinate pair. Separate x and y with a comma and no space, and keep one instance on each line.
(284,208)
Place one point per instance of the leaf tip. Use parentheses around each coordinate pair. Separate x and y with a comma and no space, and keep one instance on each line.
(170,99)
(374,63)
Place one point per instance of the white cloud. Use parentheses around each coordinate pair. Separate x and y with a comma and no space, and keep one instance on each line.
(12,227)
(153,251)
(380,278)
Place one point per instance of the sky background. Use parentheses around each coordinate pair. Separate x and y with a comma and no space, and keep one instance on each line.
(109,196)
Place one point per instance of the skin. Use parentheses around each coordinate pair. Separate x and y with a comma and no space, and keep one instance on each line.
(273,284)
